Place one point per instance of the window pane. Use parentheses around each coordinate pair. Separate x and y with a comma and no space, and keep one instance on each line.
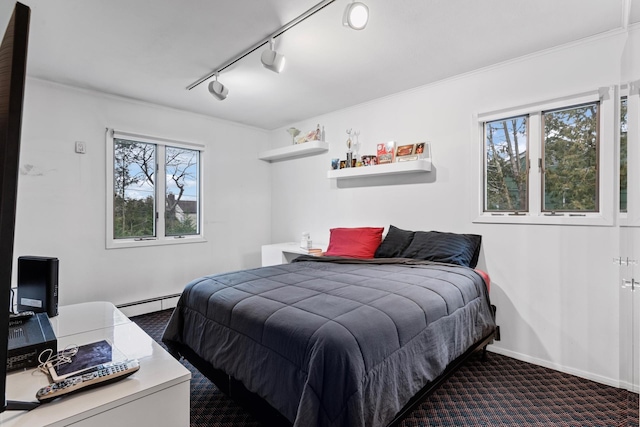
(506,164)
(134,190)
(570,159)
(623,154)
(183,194)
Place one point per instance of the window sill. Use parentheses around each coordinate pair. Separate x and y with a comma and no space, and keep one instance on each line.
(591,219)
(131,243)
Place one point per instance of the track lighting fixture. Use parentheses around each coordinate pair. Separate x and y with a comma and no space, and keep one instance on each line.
(217,89)
(272,60)
(356,15)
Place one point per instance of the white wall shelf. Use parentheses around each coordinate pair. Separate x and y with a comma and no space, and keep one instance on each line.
(412,166)
(292,151)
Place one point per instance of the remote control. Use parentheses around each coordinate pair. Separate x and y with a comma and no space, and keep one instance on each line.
(21,316)
(100,375)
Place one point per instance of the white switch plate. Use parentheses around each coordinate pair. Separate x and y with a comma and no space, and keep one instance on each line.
(81,147)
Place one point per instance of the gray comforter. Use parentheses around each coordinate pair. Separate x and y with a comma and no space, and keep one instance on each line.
(334,342)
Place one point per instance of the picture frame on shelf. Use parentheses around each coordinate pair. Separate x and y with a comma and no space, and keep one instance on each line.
(405,152)
(386,152)
(369,160)
(422,150)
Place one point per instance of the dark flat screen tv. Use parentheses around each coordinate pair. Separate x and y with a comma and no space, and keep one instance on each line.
(13,62)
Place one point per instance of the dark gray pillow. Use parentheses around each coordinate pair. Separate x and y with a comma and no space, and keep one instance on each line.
(394,243)
(451,248)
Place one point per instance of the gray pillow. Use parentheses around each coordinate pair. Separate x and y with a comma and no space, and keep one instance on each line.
(394,243)
(450,248)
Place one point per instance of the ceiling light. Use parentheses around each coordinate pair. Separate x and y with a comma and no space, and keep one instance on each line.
(272,60)
(218,90)
(356,15)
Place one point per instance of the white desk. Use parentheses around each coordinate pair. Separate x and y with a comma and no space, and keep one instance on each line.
(156,395)
(284,253)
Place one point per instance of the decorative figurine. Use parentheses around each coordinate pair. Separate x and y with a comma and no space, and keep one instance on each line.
(293,132)
(349,153)
(356,145)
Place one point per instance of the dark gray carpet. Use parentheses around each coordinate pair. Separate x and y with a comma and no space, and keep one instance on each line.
(497,392)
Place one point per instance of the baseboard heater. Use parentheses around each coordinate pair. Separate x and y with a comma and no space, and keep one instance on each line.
(147,301)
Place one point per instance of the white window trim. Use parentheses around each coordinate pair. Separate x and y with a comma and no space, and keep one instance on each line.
(632,217)
(606,161)
(160,240)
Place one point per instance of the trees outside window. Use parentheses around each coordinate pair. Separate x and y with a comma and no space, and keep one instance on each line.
(506,165)
(134,189)
(570,166)
(623,154)
(181,201)
(541,164)
(144,205)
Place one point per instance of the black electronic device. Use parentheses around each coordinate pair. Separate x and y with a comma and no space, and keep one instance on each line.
(38,284)
(13,67)
(100,375)
(23,315)
(28,338)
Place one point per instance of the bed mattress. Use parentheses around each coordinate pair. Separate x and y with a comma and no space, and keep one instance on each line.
(334,341)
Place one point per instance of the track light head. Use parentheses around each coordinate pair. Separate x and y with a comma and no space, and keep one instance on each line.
(356,15)
(218,90)
(272,60)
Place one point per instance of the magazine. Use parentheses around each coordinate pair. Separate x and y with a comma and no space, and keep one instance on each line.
(87,356)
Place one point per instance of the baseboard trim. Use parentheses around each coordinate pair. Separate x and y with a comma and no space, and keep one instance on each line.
(144,301)
(561,368)
(149,305)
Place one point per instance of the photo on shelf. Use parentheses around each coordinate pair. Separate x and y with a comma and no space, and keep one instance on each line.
(422,150)
(405,150)
(386,152)
(369,160)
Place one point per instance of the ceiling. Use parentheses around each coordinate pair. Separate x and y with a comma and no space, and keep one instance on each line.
(151,50)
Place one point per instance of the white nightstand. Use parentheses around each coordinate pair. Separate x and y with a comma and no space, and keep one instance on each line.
(156,395)
(284,253)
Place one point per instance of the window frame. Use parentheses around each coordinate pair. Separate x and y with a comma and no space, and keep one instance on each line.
(624,93)
(631,218)
(606,161)
(160,192)
(486,165)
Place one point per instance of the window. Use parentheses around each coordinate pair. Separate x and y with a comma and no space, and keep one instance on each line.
(570,161)
(545,163)
(155,195)
(506,184)
(623,154)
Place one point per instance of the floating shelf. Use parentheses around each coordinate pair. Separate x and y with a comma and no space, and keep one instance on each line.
(412,166)
(291,151)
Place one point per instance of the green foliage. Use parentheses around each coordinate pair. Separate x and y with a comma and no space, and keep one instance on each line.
(506,172)
(570,179)
(134,176)
(133,217)
(623,155)
(570,159)
(177,227)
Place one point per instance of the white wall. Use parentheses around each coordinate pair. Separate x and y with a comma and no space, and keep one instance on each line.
(555,287)
(62,205)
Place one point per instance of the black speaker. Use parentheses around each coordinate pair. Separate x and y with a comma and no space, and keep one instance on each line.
(38,284)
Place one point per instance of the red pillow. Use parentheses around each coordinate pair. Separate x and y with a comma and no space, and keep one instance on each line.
(359,242)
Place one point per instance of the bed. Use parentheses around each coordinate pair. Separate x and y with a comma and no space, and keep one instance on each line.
(336,340)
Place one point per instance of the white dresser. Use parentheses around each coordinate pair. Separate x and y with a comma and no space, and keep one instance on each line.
(156,395)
